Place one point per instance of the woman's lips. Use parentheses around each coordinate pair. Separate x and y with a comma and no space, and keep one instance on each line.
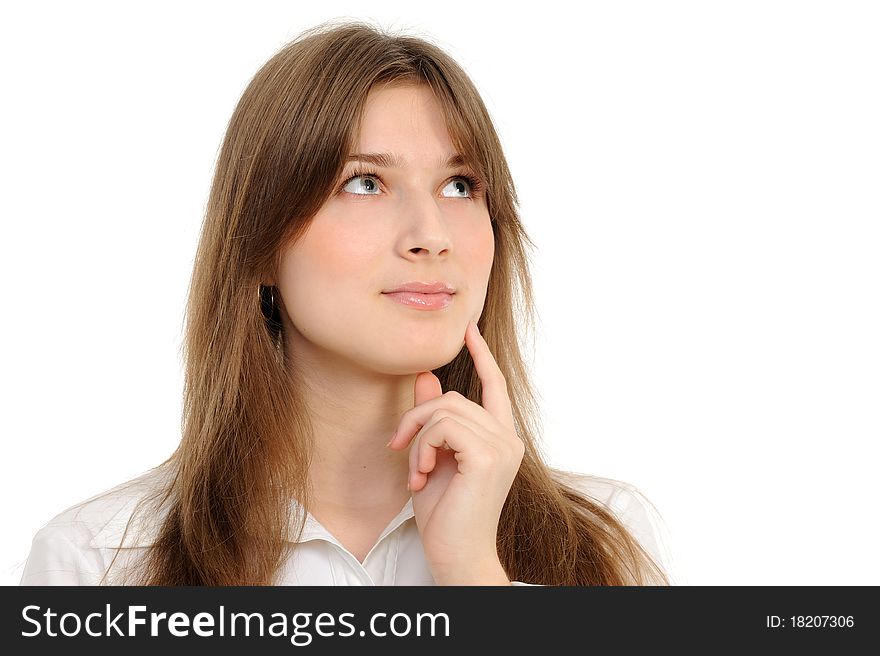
(421,301)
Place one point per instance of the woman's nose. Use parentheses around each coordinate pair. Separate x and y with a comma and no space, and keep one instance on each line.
(427,230)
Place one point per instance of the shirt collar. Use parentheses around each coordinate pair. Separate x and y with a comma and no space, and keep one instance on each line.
(314,530)
(143,533)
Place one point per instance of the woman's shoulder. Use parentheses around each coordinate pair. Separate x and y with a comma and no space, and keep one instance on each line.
(98,515)
(70,548)
(632,507)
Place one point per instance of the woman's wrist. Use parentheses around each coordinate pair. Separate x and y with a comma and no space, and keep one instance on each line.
(472,573)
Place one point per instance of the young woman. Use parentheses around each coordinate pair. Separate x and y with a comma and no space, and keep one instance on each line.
(357,409)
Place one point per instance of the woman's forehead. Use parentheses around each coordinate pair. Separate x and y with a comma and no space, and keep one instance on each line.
(404,127)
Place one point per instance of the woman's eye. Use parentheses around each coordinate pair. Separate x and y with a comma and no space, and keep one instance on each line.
(363,185)
(459,186)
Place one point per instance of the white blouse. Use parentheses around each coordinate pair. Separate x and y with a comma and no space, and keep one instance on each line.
(77,546)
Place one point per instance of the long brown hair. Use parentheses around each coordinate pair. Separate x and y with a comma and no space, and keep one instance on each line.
(246,443)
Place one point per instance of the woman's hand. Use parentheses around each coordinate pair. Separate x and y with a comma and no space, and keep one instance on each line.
(463,460)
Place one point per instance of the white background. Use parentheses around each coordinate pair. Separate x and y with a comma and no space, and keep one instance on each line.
(701,180)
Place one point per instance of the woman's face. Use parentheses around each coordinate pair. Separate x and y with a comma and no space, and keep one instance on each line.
(415,220)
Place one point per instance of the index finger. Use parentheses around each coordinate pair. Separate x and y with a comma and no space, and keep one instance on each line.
(495,398)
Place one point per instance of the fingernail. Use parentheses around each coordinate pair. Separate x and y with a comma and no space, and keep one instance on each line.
(392,439)
(408,485)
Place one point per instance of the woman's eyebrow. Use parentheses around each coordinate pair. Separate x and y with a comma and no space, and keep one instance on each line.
(391,160)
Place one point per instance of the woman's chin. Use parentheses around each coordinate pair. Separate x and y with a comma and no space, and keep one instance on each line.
(403,363)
